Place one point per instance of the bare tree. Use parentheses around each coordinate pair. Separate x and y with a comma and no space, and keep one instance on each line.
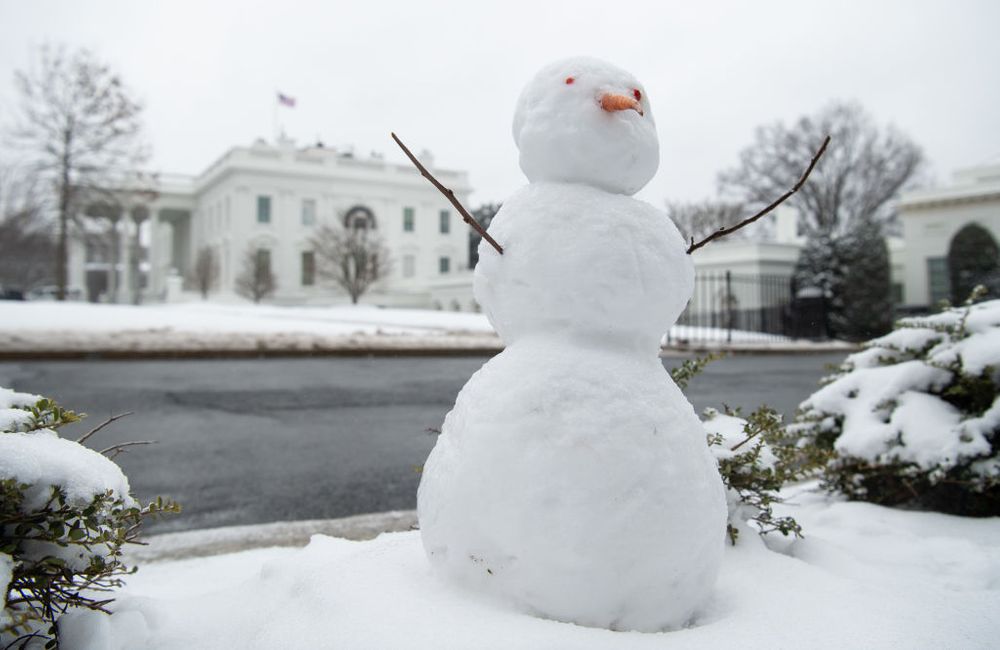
(699,220)
(352,258)
(857,179)
(205,273)
(82,127)
(26,241)
(256,281)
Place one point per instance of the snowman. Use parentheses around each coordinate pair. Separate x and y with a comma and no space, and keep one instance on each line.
(572,477)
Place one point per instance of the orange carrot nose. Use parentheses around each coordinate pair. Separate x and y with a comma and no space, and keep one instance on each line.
(612,102)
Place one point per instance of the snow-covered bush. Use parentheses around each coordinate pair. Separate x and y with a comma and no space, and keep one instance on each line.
(755,462)
(914,418)
(65,514)
(756,459)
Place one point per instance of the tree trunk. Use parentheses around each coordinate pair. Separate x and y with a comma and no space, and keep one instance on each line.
(62,247)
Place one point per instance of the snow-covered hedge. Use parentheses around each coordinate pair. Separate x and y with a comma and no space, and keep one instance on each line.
(914,418)
(65,514)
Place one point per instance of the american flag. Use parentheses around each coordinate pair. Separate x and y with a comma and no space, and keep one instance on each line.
(285,100)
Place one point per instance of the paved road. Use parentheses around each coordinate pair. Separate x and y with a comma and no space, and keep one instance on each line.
(251,441)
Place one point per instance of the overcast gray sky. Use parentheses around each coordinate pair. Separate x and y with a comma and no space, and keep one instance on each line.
(445,75)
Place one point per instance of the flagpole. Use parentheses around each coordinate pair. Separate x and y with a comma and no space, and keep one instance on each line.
(274,118)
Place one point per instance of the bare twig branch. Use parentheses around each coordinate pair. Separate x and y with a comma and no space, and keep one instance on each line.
(82,439)
(746,440)
(448,195)
(722,232)
(113,451)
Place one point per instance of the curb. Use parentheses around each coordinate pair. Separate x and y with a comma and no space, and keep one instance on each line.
(233,539)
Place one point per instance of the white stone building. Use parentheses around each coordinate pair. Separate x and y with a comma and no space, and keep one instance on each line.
(932,217)
(271,199)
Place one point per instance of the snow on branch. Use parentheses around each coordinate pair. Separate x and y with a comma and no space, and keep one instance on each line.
(448,195)
(722,232)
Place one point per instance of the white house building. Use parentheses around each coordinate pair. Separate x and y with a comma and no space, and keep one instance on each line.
(932,217)
(269,199)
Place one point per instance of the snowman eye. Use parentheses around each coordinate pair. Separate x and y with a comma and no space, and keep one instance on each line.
(569,80)
(637,95)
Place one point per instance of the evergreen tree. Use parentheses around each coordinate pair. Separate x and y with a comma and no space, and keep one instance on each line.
(865,305)
(853,273)
(484,215)
(973,259)
(819,266)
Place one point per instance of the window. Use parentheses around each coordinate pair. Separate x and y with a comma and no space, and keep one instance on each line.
(938,282)
(263,209)
(445,221)
(359,218)
(408,219)
(896,293)
(444,264)
(263,261)
(308,268)
(308,212)
(409,266)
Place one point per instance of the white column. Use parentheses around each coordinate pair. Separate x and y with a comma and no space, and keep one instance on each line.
(123,292)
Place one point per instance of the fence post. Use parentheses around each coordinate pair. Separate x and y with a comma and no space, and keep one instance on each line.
(729,306)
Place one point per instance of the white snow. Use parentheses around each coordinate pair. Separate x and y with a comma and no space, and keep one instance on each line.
(10,399)
(13,413)
(200,316)
(572,478)
(42,459)
(6,573)
(863,577)
(55,327)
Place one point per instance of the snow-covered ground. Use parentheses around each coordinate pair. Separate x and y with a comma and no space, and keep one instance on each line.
(75,327)
(863,577)
(86,327)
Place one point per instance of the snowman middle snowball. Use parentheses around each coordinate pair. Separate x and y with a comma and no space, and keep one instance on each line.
(572,477)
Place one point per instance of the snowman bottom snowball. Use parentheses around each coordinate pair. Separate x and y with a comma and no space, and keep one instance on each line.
(581,491)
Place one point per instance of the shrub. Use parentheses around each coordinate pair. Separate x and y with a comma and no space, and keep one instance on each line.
(756,459)
(914,418)
(65,515)
(755,462)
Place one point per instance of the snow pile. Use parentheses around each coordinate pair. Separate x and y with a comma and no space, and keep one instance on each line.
(572,478)
(923,399)
(41,459)
(14,410)
(864,577)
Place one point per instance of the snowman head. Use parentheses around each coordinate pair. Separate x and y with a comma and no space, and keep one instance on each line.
(583,120)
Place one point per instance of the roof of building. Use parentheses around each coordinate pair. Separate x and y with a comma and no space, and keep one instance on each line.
(980,183)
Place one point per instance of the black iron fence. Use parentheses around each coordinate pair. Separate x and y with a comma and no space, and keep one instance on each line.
(743,308)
